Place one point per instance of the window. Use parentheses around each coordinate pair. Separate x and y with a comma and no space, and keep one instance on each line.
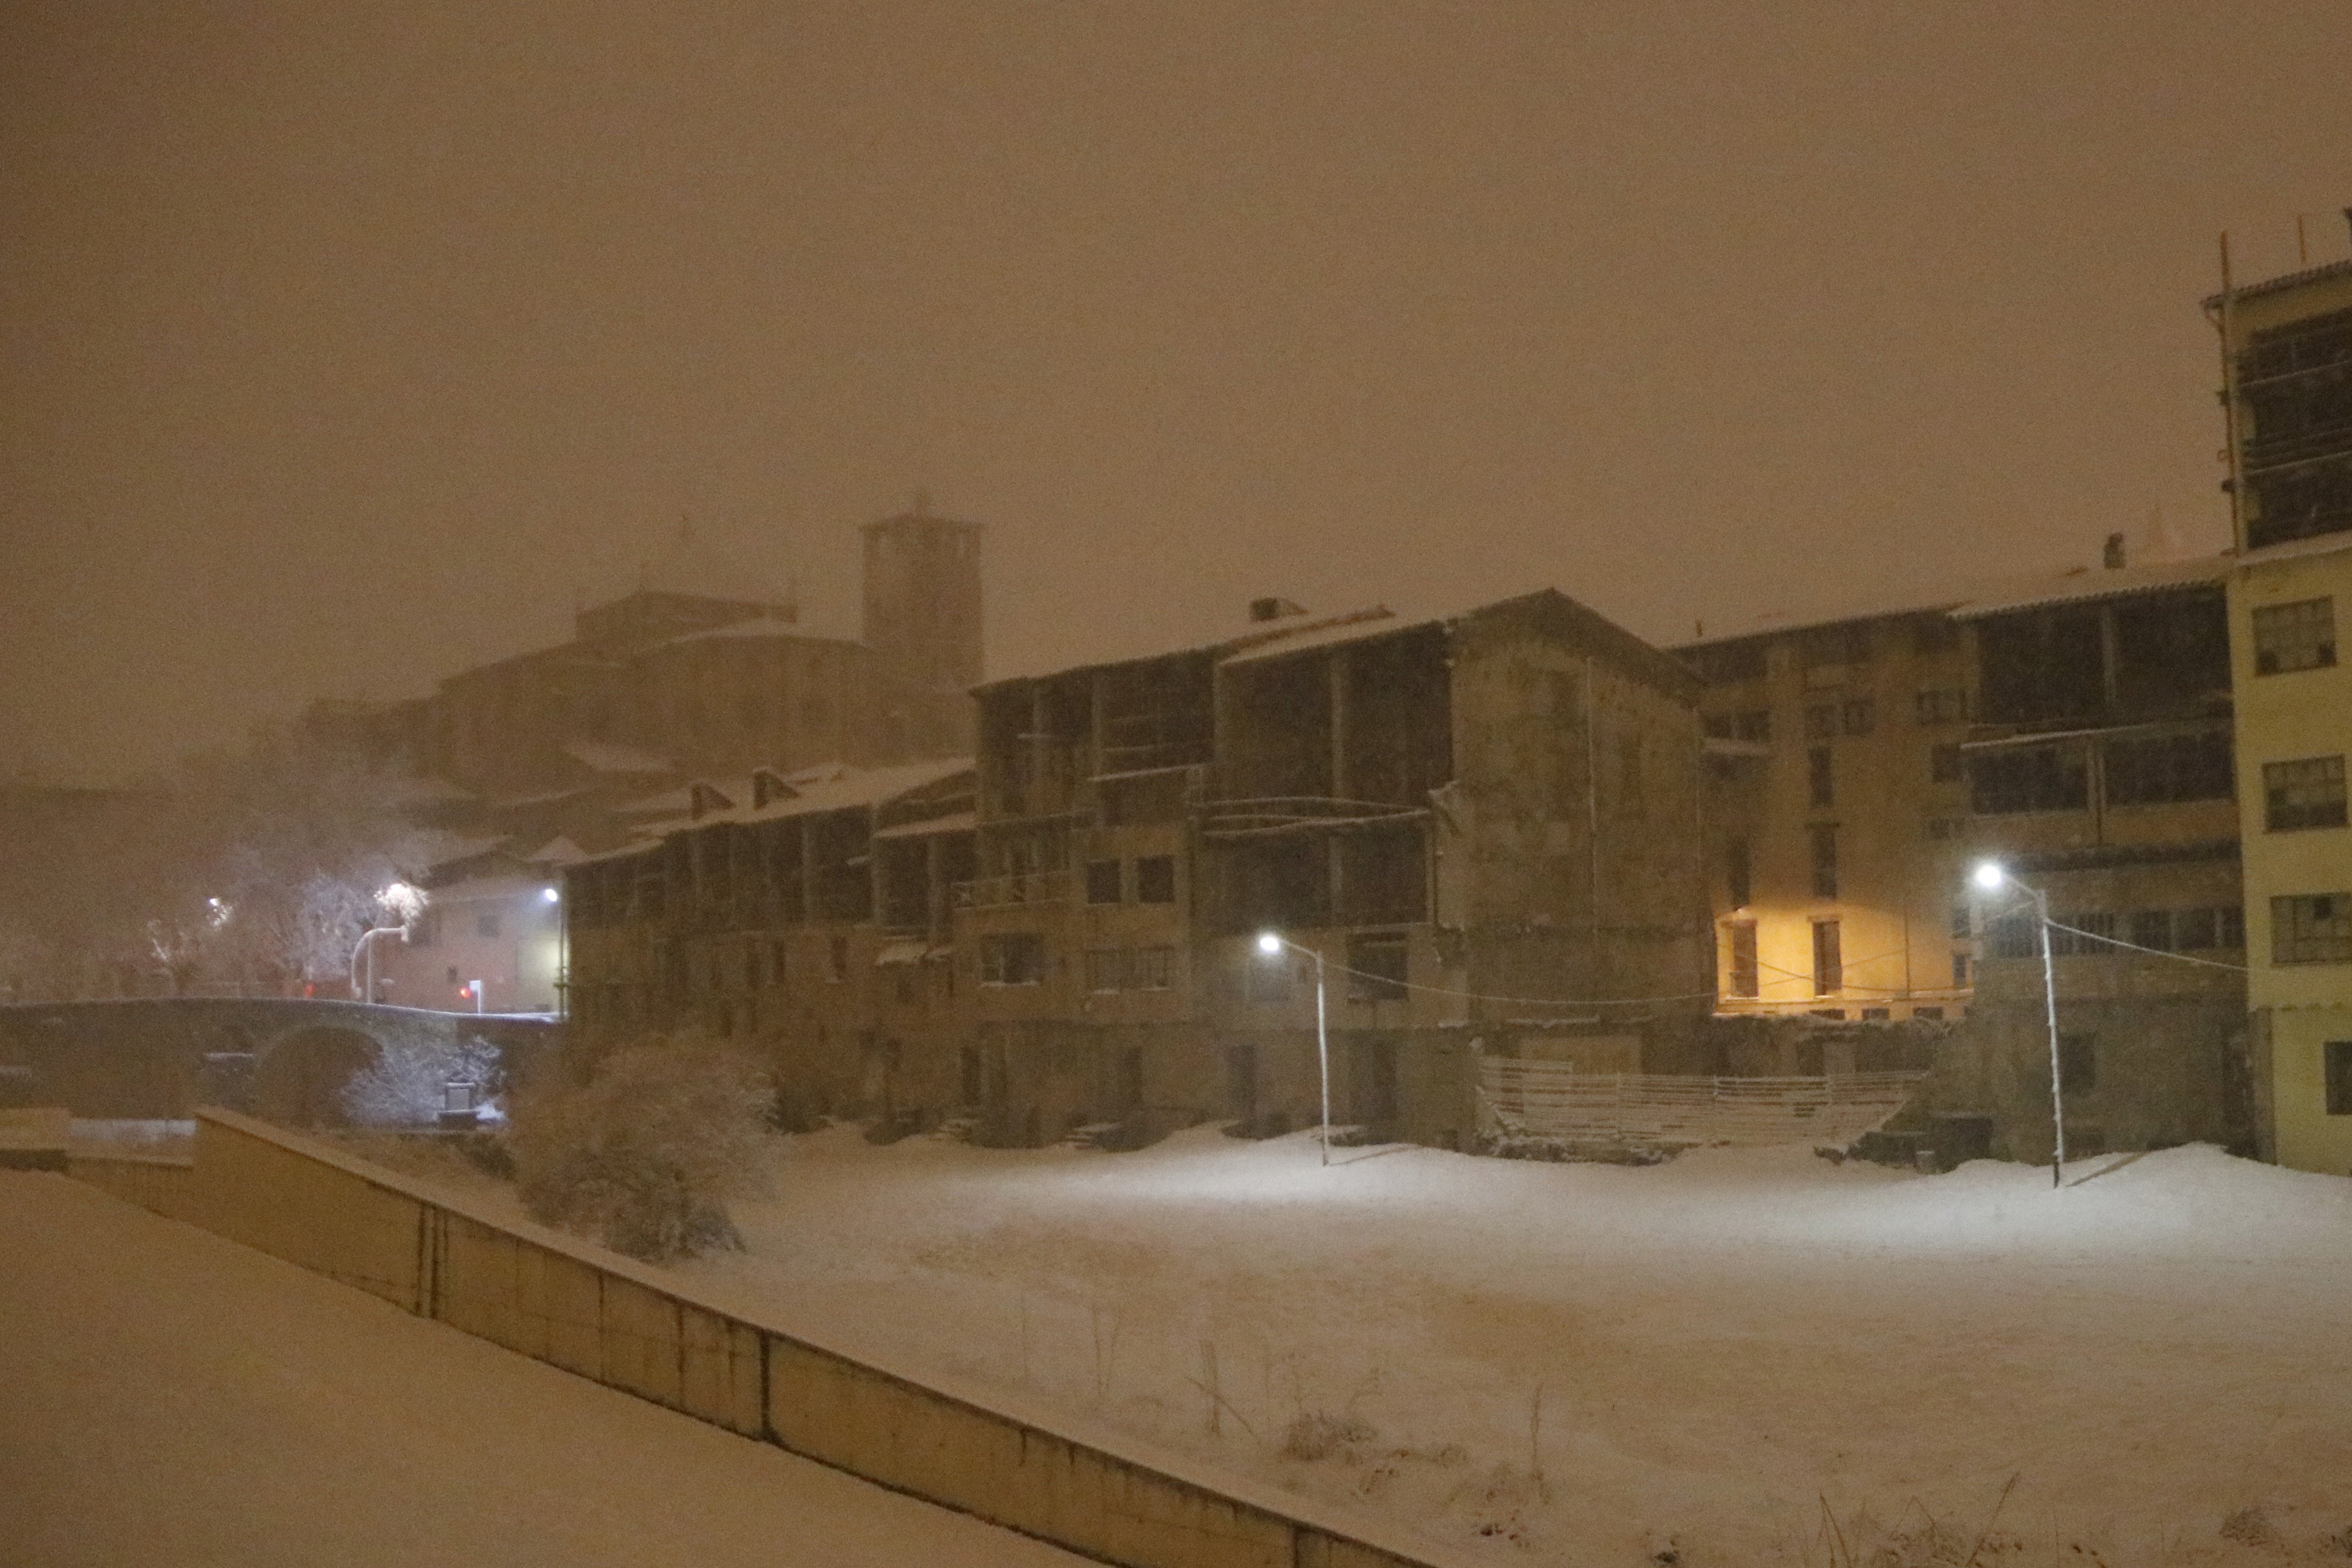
(1739,873)
(1877,1014)
(2304,793)
(1959,973)
(1377,965)
(1944,765)
(2029,778)
(1829,962)
(1715,726)
(1963,918)
(1927,1012)
(2300,636)
(2193,930)
(1861,715)
(2017,935)
(1835,645)
(1934,633)
(1752,724)
(1820,722)
(2230,926)
(2338,1067)
(1945,705)
(1826,869)
(1745,979)
(1155,879)
(1102,881)
(2094,926)
(1129,969)
(486,923)
(2312,928)
(2152,928)
(1016,958)
(2163,768)
(2078,1063)
(1819,781)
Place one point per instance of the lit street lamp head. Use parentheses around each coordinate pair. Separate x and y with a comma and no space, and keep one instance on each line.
(551,895)
(1268,943)
(1988,876)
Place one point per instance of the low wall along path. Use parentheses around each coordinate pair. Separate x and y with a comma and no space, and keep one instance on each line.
(574,1305)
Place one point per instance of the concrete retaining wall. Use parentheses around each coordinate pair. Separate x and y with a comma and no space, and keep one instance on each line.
(161,1182)
(559,1300)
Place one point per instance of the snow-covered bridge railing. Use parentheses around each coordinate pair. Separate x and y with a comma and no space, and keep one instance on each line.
(1551,1099)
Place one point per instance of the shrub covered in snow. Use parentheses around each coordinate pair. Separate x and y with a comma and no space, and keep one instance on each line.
(645,1155)
(404,1087)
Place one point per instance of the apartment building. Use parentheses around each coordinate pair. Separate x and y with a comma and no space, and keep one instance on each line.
(1836,811)
(2099,771)
(1478,831)
(808,913)
(2287,346)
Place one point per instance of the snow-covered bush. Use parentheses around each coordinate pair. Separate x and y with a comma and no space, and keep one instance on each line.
(406,1086)
(645,1156)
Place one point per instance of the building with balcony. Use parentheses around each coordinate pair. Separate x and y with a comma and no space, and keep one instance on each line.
(2099,770)
(1481,828)
(2287,351)
(810,914)
(1836,811)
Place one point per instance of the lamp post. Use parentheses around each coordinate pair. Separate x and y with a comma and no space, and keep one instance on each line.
(1989,876)
(1270,944)
(367,949)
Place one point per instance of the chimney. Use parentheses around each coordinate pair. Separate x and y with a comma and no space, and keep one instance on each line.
(767,786)
(1262,610)
(2114,554)
(702,799)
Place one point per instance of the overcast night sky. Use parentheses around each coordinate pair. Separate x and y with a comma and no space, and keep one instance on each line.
(342,347)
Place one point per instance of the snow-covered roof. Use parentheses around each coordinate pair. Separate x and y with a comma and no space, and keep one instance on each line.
(606,757)
(833,788)
(956,822)
(2089,583)
(557,851)
(1135,644)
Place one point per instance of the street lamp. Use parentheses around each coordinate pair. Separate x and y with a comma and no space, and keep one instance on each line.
(1270,944)
(1990,876)
(398,898)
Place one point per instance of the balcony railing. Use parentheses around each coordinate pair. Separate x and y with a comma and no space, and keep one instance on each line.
(1014,889)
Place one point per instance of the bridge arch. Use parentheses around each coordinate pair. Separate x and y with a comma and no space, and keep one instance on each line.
(301,1078)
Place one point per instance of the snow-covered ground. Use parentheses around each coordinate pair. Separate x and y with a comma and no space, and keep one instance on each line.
(1736,1357)
(167,1397)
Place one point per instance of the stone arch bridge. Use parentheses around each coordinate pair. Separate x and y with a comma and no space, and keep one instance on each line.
(159,1057)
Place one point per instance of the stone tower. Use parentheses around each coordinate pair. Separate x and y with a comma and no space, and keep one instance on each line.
(923,623)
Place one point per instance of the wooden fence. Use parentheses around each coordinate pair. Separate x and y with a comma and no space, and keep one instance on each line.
(1551,1099)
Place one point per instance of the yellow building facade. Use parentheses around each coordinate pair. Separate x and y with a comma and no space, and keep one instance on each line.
(2288,357)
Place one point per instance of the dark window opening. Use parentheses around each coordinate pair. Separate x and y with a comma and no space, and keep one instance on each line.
(1102,881)
(1820,780)
(1155,879)
(2029,778)
(1944,765)
(1739,873)
(1861,715)
(1944,706)
(2161,769)
(1377,968)
(1825,861)
(1016,958)
(1752,724)
(1829,962)
(1820,722)
(2339,1078)
(2152,928)
(1745,978)
(1383,877)
(2078,1063)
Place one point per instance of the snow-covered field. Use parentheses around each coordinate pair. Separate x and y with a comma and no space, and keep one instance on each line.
(170,1398)
(1739,1356)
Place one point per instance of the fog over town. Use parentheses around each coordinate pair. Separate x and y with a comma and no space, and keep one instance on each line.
(1351,786)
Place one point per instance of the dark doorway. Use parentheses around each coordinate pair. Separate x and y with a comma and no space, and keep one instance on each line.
(1241,1081)
(1376,1085)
